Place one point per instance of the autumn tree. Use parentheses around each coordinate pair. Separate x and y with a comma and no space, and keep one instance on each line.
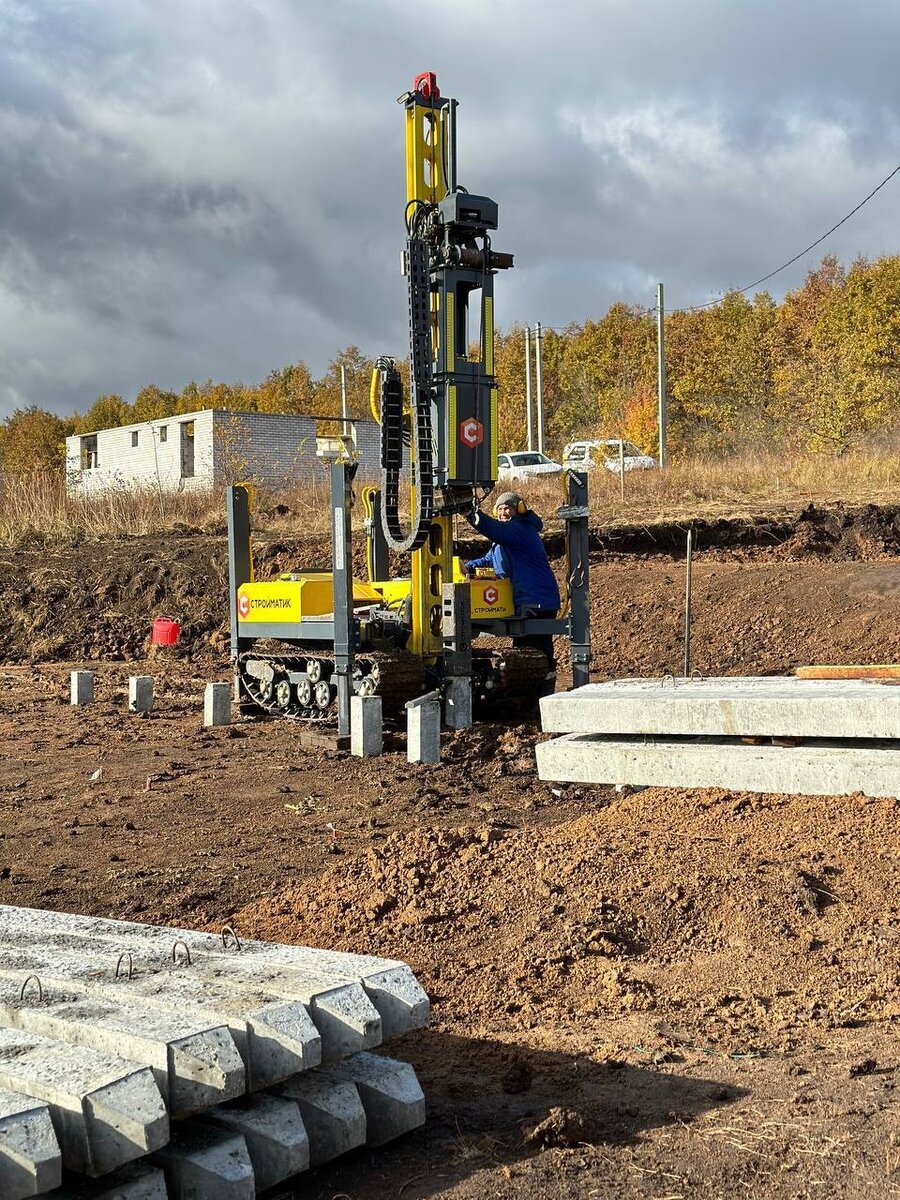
(289,390)
(107,412)
(33,439)
(719,373)
(509,372)
(152,404)
(606,367)
(358,374)
(835,354)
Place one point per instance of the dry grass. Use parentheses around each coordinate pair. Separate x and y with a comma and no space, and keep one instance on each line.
(36,508)
(736,488)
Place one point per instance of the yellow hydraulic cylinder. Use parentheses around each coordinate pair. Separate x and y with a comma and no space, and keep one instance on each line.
(432,567)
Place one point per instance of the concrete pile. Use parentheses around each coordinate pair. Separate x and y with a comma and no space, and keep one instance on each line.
(755,734)
(141,1062)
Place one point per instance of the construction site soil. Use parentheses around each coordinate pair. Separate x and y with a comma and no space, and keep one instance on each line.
(663,993)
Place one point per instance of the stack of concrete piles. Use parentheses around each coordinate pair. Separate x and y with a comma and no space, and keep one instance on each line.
(139,1062)
(756,734)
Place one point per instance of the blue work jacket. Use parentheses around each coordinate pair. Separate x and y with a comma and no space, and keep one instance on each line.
(518,554)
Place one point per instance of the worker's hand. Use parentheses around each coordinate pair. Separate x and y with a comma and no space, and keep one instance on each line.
(465,570)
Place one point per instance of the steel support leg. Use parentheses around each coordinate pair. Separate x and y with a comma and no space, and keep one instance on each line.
(342,575)
(457,636)
(240,567)
(577,549)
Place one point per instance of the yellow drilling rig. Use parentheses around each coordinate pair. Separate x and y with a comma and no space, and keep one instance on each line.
(305,642)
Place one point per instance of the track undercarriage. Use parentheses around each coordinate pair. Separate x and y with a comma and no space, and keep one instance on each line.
(298,682)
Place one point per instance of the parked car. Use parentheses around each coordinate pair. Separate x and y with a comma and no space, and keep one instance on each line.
(524,464)
(597,452)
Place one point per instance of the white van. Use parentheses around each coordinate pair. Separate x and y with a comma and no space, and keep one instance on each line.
(596,452)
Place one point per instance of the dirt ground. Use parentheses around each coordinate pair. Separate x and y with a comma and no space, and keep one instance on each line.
(660,994)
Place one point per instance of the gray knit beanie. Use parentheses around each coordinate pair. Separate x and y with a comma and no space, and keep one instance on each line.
(512,498)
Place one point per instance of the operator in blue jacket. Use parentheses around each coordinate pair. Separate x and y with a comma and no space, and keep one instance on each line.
(518,554)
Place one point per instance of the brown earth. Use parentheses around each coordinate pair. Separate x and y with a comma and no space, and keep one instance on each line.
(659,994)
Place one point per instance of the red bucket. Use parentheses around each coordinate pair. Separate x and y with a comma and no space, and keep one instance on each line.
(165,632)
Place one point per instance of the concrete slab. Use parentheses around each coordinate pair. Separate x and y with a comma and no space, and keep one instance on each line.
(139,1182)
(390,985)
(274,1132)
(30,1158)
(105,1111)
(345,1018)
(196,1065)
(755,706)
(333,1020)
(332,1113)
(275,1038)
(390,1093)
(207,1164)
(820,769)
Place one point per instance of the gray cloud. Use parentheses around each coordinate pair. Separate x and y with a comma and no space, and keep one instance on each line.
(216,189)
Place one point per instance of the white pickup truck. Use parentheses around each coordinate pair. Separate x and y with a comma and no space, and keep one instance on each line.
(585,455)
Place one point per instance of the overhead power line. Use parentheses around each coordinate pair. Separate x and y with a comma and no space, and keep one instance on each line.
(811,246)
(790,262)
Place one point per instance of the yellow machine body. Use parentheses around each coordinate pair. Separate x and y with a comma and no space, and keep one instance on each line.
(291,598)
(490,597)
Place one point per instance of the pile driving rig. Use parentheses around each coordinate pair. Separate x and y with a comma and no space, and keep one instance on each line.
(302,644)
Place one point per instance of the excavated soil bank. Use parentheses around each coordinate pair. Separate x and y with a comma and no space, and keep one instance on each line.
(97,600)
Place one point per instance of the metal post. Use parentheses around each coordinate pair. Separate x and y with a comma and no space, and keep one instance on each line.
(687,604)
(621,468)
(539,380)
(345,411)
(528,399)
(661,373)
(240,566)
(577,580)
(342,581)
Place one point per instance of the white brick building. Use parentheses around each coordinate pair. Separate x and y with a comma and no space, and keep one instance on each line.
(196,451)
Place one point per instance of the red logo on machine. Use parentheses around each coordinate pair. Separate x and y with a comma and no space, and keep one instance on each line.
(243,605)
(491,595)
(471,432)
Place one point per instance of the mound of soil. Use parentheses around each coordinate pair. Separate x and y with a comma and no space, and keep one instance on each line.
(716,911)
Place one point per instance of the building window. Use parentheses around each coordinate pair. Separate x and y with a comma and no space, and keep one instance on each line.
(187,449)
(134,438)
(89,458)
(163,433)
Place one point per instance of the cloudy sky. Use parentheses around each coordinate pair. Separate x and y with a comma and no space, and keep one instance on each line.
(215,188)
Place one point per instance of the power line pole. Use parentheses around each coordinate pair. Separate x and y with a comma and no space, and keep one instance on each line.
(345,412)
(661,372)
(528,417)
(540,388)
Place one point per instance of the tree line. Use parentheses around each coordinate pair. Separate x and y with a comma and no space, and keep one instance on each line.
(816,373)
